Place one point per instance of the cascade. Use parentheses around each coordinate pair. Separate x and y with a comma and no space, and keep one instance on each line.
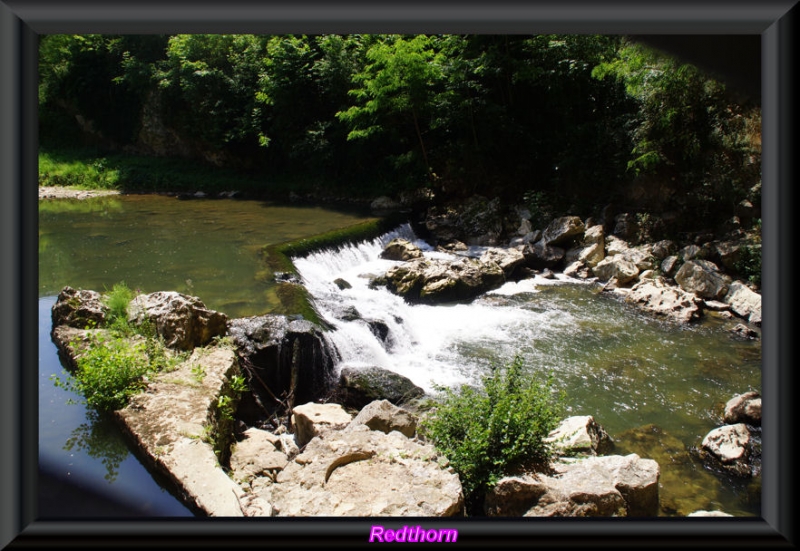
(430,344)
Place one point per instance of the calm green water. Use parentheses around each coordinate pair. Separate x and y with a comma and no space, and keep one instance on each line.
(203,247)
(657,389)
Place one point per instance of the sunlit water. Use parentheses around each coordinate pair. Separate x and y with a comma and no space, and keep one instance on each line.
(656,388)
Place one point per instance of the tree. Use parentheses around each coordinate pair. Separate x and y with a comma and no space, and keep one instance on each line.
(399,83)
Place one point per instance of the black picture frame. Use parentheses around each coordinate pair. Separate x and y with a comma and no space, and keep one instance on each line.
(22,20)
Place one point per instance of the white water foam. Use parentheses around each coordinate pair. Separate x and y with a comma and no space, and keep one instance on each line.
(430,344)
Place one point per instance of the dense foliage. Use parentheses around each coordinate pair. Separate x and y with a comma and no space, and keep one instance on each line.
(487,432)
(575,118)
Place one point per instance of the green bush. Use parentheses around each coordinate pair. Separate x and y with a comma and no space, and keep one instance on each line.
(486,433)
(108,373)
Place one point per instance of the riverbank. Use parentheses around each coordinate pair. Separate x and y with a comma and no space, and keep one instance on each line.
(60,192)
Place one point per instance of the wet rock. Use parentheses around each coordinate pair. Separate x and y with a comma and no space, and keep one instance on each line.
(734,449)
(539,255)
(342,284)
(742,331)
(437,281)
(401,249)
(286,358)
(362,385)
(744,408)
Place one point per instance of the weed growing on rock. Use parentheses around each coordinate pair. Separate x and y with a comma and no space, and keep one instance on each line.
(488,432)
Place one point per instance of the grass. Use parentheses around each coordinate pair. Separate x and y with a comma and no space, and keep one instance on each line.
(92,168)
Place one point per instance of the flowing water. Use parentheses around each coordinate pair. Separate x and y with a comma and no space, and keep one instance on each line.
(656,388)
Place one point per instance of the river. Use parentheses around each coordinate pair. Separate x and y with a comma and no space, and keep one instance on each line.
(656,388)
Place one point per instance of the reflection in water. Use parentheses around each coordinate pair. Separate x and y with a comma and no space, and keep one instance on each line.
(97,437)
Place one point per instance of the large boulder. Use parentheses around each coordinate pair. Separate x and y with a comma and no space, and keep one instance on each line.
(563,231)
(590,255)
(703,278)
(286,358)
(540,256)
(361,385)
(664,301)
(616,267)
(182,320)
(441,280)
(79,308)
(508,259)
(364,473)
(606,486)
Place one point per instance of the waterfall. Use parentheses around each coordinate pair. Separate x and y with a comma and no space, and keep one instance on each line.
(430,344)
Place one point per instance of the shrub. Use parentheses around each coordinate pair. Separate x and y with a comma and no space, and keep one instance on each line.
(108,372)
(488,432)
